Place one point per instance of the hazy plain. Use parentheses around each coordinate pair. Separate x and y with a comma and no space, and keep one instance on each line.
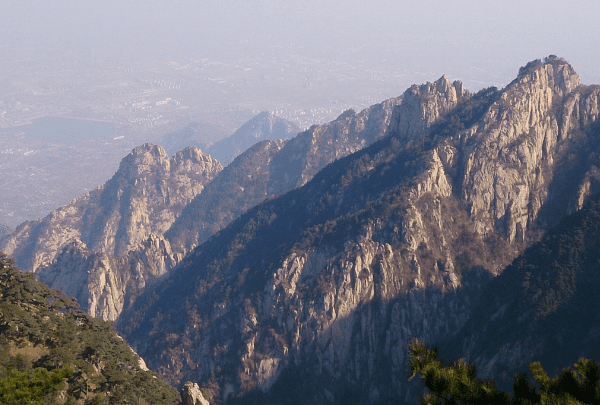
(149,67)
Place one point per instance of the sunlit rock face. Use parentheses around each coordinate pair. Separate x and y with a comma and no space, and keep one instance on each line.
(191,395)
(423,105)
(105,285)
(319,291)
(107,246)
(144,196)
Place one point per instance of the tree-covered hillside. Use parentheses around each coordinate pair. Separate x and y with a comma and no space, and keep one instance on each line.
(543,307)
(79,359)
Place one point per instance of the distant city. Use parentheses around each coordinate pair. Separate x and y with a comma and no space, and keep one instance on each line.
(143,100)
(303,90)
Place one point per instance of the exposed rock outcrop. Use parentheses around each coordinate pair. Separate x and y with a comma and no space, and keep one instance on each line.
(509,157)
(144,196)
(191,395)
(103,284)
(320,290)
(423,105)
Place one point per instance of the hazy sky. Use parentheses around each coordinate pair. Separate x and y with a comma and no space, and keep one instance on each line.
(451,37)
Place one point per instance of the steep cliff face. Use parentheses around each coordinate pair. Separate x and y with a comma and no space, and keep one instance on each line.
(319,291)
(543,307)
(104,285)
(106,279)
(310,151)
(144,196)
(509,158)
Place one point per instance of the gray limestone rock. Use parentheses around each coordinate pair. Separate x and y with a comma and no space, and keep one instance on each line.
(326,285)
(191,395)
(144,196)
(104,285)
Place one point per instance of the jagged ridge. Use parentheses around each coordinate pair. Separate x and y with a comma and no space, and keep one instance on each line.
(144,196)
(324,286)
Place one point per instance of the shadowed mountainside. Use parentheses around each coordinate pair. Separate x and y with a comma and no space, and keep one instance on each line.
(324,286)
(543,307)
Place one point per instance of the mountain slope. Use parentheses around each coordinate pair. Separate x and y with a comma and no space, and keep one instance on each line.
(145,195)
(105,284)
(543,307)
(197,134)
(319,291)
(42,328)
(240,186)
(304,155)
(271,168)
(264,127)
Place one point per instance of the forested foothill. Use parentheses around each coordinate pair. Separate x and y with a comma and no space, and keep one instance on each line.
(53,353)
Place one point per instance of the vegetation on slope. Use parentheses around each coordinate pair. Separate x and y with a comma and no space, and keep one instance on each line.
(24,389)
(56,353)
(225,277)
(457,383)
(544,306)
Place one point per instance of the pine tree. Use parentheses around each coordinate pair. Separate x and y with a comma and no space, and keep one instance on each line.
(454,383)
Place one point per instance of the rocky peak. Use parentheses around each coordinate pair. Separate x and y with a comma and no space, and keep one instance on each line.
(394,242)
(350,113)
(267,122)
(192,159)
(423,105)
(264,126)
(191,395)
(512,152)
(144,159)
(145,195)
(553,73)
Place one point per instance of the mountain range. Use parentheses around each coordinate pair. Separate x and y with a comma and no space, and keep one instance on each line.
(318,292)
(105,280)
(300,272)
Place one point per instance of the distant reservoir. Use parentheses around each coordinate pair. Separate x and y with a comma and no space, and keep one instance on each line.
(65,130)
